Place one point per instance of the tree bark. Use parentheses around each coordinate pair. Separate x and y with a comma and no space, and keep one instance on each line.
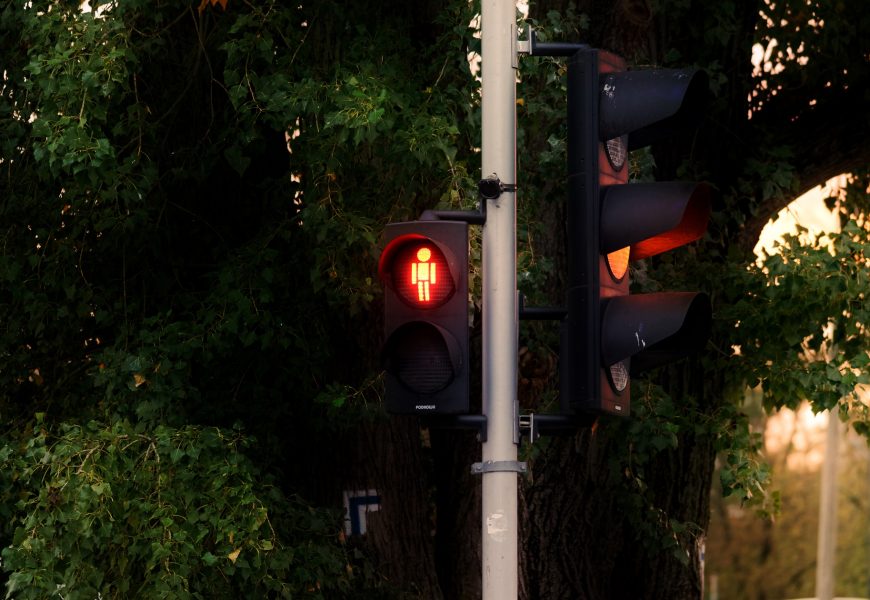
(388,457)
(458,503)
(571,533)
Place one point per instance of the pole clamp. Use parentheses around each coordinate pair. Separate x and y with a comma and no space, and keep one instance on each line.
(495,466)
(490,188)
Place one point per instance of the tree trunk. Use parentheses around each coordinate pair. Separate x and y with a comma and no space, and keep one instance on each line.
(681,487)
(457,501)
(386,457)
(571,533)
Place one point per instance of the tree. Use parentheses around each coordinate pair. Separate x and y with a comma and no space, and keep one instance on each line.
(775,558)
(758,167)
(192,195)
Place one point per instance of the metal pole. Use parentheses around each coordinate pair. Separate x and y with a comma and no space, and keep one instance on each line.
(500,319)
(827,542)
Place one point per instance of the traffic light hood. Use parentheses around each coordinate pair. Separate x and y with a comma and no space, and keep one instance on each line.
(650,104)
(654,329)
(653,217)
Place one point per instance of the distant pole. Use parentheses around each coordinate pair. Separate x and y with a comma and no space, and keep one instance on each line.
(827,542)
(499,467)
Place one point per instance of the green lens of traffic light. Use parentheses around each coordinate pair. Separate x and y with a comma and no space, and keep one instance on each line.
(421,275)
(616,150)
(419,356)
(619,376)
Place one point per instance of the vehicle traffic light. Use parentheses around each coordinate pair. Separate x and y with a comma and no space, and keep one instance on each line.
(609,334)
(424,268)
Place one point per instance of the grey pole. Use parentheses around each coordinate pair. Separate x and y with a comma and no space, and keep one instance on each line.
(500,319)
(827,541)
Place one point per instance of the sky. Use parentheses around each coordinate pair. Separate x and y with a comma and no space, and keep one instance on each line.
(809,210)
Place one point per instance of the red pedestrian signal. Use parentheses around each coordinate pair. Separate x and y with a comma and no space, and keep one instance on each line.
(424,267)
(420,274)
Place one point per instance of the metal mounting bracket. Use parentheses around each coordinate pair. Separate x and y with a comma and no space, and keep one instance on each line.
(533,47)
(537,425)
(470,422)
(540,313)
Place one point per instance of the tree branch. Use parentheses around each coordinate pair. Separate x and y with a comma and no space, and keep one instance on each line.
(828,139)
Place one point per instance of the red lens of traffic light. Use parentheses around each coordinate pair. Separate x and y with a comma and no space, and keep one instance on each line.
(421,276)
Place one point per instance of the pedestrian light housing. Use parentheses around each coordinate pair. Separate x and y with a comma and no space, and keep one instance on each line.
(424,268)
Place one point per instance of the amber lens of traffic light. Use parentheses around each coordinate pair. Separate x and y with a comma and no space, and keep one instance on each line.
(421,276)
(617,262)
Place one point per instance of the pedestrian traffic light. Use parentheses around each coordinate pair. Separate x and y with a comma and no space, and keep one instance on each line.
(424,268)
(608,334)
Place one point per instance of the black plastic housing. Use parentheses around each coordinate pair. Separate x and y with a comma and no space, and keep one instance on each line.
(425,352)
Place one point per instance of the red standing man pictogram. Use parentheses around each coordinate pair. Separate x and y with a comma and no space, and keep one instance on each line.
(423,274)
